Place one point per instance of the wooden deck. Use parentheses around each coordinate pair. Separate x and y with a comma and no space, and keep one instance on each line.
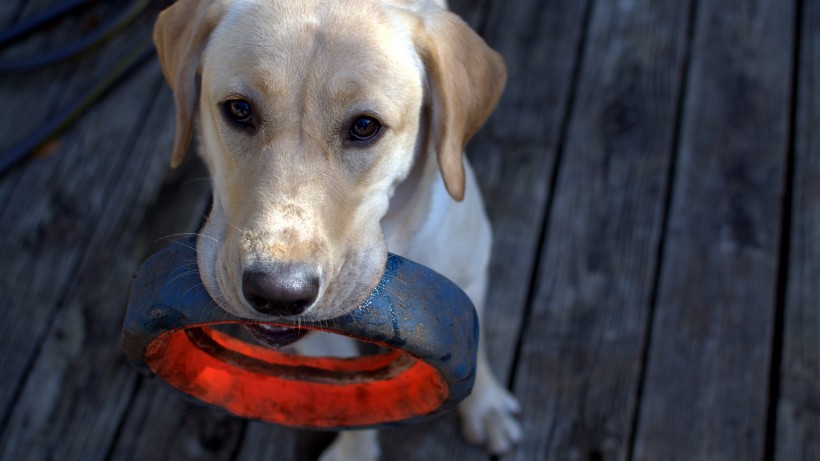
(653,178)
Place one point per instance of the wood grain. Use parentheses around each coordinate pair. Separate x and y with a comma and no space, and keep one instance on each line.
(77,222)
(51,213)
(74,396)
(49,206)
(578,373)
(266,441)
(515,154)
(707,375)
(163,425)
(798,410)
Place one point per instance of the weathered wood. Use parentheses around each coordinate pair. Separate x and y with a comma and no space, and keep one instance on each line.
(50,207)
(473,12)
(176,207)
(266,441)
(798,410)
(513,157)
(705,394)
(76,224)
(578,373)
(75,394)
(73,397)
(189,431)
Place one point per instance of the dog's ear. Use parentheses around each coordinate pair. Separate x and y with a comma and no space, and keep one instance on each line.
(466,78)
(180,35)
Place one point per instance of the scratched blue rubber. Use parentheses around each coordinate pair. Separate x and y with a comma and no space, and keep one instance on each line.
(413,308)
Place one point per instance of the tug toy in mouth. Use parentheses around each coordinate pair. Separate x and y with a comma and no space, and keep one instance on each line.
(426,322)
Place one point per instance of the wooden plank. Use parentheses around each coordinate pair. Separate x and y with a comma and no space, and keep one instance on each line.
(264,441)
(49,209)
(473,12)
(83,257)
(798,410)
(513,157)
(578,373)
(73,397)
(705,394)
(514,154)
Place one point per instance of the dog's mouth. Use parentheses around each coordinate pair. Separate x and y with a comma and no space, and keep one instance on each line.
(275,336)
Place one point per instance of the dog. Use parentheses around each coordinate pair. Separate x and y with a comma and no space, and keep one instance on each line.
(333,131)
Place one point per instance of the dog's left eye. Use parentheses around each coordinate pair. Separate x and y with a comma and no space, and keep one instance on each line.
(239,111)
(364,128)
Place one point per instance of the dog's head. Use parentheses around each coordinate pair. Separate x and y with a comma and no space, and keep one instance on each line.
(310,114)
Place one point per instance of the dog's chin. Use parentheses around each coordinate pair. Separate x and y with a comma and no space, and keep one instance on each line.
(275,336)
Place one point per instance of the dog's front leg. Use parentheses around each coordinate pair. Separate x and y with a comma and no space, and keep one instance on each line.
(361,445)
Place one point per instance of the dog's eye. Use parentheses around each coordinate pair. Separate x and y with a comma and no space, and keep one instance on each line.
(239,111)
(364,128)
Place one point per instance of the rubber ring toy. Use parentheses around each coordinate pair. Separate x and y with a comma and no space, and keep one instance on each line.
(426,323)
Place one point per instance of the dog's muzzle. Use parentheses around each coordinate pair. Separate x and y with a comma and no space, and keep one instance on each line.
(426,322)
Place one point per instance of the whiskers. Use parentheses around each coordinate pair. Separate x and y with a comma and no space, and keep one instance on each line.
(176,238)
(238,229)
(185,270)
(196,180)
(197,285)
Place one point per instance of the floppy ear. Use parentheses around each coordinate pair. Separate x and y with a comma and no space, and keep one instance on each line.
(466,79)
(180,35)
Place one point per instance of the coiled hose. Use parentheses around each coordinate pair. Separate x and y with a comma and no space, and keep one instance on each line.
(102,34)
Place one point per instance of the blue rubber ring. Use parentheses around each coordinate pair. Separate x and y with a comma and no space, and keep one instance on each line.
(413,309)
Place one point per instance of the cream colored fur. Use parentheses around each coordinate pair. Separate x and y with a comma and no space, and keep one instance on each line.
(294,190)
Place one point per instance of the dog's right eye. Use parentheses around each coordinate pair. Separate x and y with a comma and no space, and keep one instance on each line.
(364,128)
(239,111)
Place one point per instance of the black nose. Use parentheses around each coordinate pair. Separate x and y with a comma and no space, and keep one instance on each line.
(286,289)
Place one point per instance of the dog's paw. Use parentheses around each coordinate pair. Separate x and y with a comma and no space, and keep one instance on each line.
(488,417)
(353,446)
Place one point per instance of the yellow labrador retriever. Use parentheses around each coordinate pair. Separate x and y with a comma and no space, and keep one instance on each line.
(333,131)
